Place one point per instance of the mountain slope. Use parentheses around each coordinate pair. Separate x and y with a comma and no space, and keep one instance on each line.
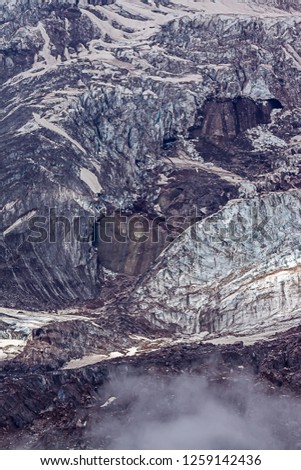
(150,217)
(116,107)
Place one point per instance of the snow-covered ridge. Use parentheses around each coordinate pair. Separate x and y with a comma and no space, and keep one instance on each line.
(249,7)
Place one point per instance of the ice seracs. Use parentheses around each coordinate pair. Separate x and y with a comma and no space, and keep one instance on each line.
(235,271)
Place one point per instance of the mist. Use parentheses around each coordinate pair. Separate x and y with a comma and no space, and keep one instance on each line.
(189,412)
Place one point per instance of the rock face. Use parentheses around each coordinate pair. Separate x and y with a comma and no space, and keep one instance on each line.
(118,108)
(225,120)
(73,408)
(129,244)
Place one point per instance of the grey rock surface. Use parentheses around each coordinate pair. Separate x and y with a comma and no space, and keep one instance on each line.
(150,217)
(161,110)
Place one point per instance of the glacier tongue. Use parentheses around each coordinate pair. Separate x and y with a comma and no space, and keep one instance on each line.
(235,271)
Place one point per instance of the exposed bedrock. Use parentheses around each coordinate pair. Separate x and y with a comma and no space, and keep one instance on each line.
(235,271)
(99,99)
(43,407)
(129,244)
(223,120)
(150,182)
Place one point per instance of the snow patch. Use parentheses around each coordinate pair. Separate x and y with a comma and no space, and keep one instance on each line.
(9,206)
(91,359)
(46,51)
(132,351)
(10,348)
(58,130)
(22,220)
(90,180)
(108,402)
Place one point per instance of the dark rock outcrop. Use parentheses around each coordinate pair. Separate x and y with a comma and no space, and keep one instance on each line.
(225,120)
(51,403)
